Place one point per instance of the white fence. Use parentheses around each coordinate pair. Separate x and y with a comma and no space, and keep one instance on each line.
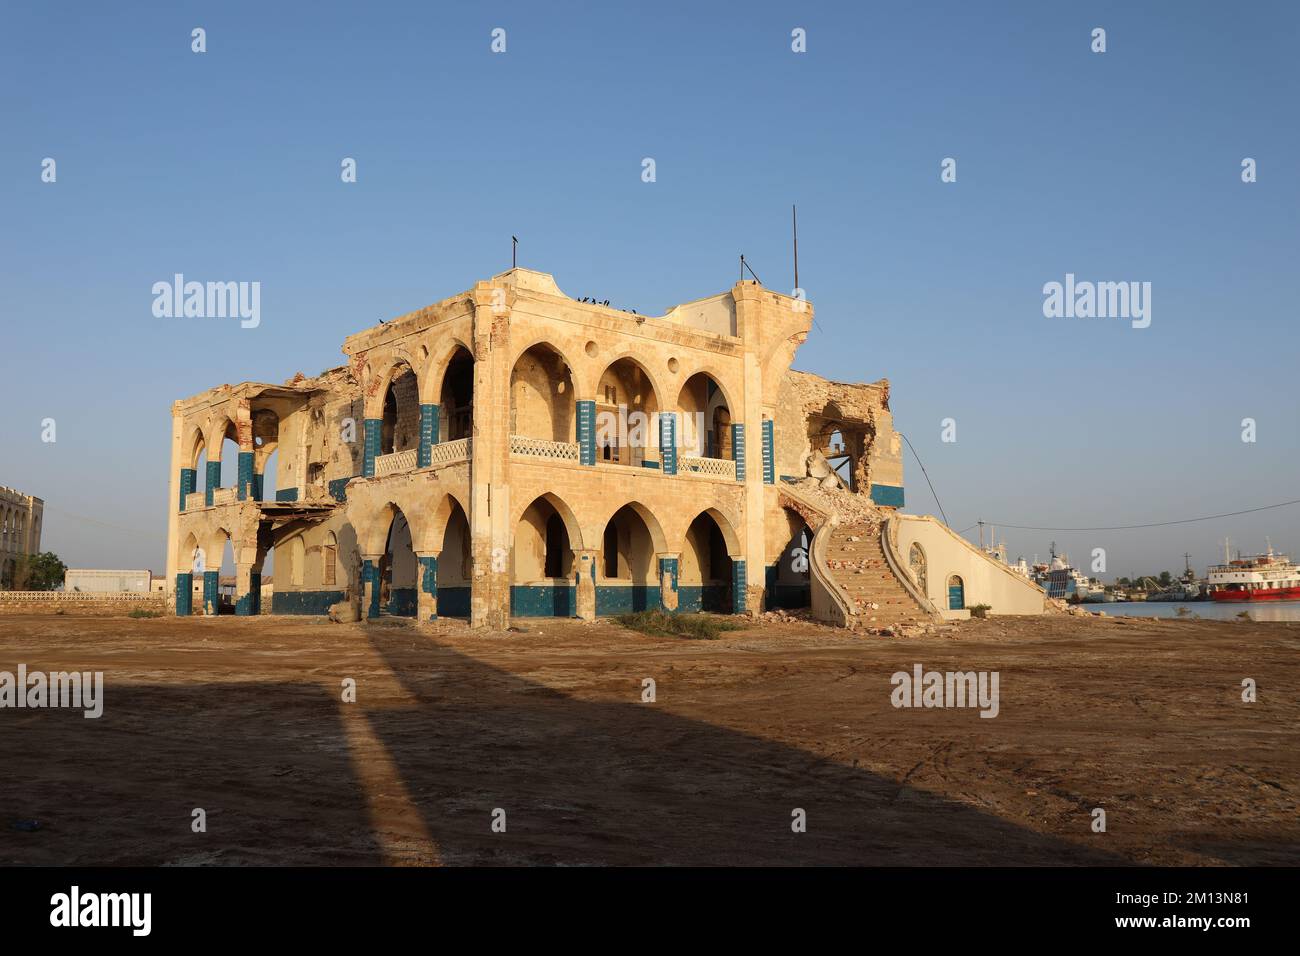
(450,452)
(397,462)
(223,496)
(36,596)
(541,448)
(706,467)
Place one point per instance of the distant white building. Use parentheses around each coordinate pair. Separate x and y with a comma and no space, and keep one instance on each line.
(98,581)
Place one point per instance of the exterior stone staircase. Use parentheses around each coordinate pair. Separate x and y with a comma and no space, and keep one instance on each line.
(855,560)
(854,582)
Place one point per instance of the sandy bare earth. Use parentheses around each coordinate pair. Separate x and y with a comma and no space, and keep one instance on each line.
(244,719)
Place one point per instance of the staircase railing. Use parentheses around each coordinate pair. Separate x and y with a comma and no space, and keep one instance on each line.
(904,578)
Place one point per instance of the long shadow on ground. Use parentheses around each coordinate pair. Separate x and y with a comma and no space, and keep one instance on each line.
(270,764)
(613,783)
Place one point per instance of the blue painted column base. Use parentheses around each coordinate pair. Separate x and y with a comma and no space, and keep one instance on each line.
(371,447)
(213,481)
(586,409)
(189,482)
(184,595)
(370,580)
(244,475)
(211,592)
(429,586)
(738,585)
(428,435)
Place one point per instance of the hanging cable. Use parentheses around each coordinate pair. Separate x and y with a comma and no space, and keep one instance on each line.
(927,478)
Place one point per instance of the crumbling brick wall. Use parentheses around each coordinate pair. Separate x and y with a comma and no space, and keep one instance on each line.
(810,405)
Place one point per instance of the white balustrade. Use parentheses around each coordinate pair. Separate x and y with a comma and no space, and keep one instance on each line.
(396,463)
(722,468)
(541,448)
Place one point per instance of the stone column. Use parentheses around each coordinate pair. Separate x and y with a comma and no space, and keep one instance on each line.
(428,435)
(173,514)
(584,574)
(373,428)
(211,593)
(370,585)
(585,430)
(668,442)
(244,602)
(184,594)
(668,579)
(489,517)
(427,593)
(212,482)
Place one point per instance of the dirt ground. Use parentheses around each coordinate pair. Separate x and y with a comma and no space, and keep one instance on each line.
(244,719)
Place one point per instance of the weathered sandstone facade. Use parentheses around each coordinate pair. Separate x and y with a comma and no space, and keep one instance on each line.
(510,451)
(20,530)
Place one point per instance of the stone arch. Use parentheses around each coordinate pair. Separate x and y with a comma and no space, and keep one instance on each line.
(627,386)
(372,532)
(433,528)
(194,444)
(542,546)
(662,392)
(220,427)
(398,363)
(543,394)
(628,549)
(705,415)
(435,369)
(452,547)
(398,569)
(571,523)
(187,557)
(706,564)
(658,538)
(726,524)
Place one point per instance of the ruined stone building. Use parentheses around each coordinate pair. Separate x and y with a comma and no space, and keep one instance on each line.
(513,452)
(20,531)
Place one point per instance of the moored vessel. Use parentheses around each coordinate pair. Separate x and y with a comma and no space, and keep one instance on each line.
(1256,577)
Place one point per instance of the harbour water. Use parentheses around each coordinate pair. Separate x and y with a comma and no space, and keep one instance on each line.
(1211,610)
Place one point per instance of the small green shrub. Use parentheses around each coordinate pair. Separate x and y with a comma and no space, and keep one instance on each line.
(980,610)
(699,627)
(142,612)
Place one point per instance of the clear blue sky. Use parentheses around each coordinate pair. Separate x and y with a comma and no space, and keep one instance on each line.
(1116,166)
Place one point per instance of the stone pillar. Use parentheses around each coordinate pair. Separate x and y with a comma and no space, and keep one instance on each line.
(213,481)
(584,579)
(428,437)
(184,594)
(490,507)
(668,442)
(371,446)
(769,452)
(427,594)
(244,475)
(739,589)
(244,589)
(668,585)
(176,492)
(211,593)
(586,431)
(189,482)
(370,585)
